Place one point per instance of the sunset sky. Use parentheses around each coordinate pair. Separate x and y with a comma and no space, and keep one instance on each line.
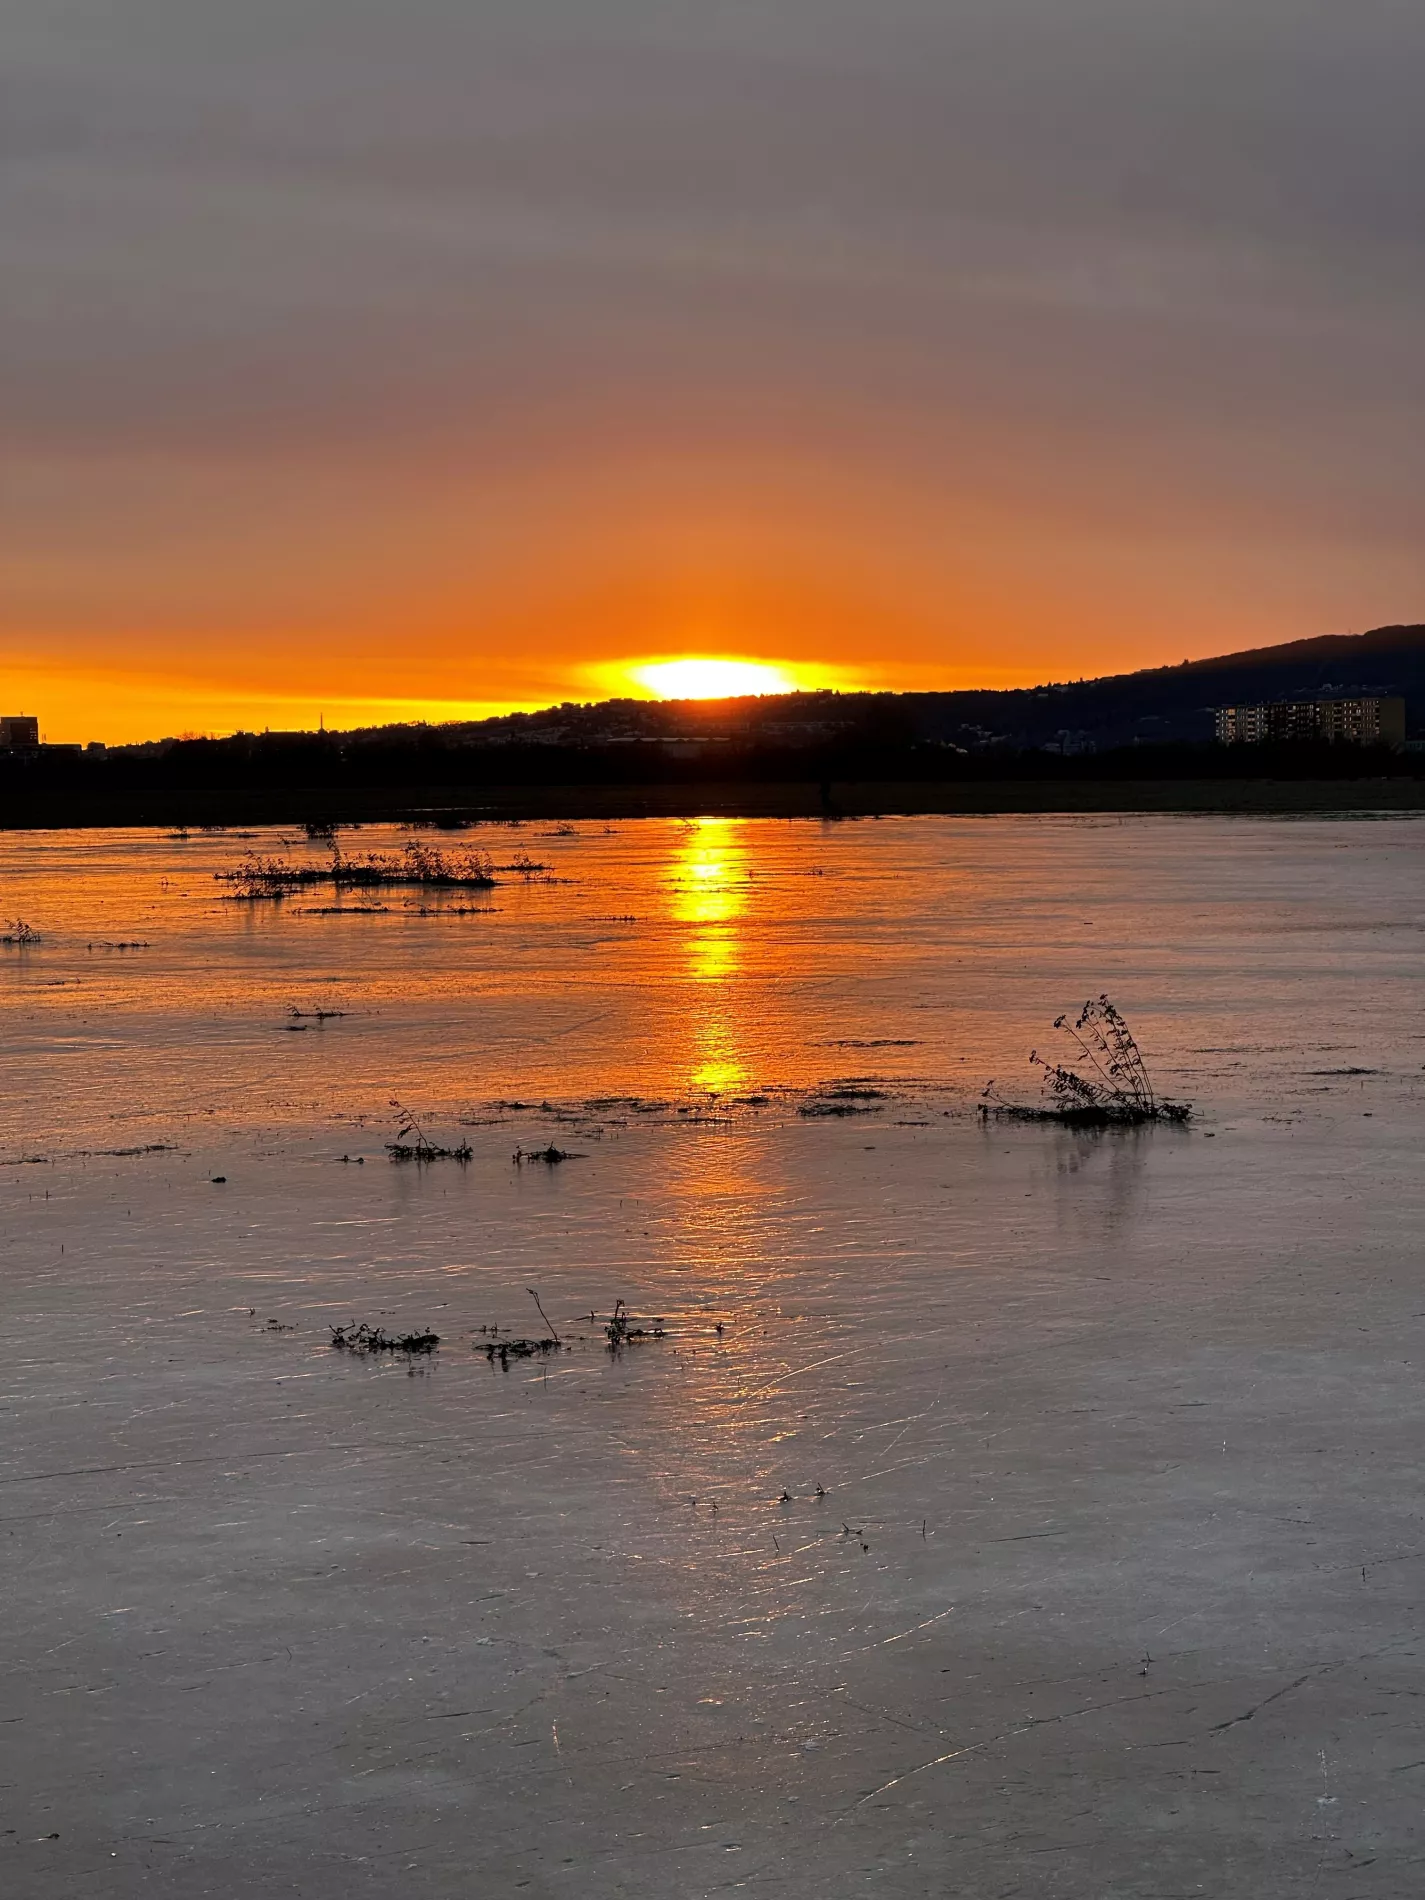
(378,359)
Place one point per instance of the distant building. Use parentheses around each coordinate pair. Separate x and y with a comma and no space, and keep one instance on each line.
(1363,721)
(1242,725)
(19,732)
(1071,745)
(1366,721)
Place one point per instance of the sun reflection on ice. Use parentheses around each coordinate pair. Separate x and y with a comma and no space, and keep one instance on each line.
(708,890)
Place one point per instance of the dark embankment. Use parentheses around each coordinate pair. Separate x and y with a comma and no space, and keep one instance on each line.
(1141,780)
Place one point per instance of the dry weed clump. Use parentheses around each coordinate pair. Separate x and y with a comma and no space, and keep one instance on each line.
(412,1143)
(1103,1080)
(366,1339)
(418,864)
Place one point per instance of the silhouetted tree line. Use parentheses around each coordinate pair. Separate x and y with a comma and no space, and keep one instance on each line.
(251,763)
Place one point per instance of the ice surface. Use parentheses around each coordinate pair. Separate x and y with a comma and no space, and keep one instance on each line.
(1112,1591)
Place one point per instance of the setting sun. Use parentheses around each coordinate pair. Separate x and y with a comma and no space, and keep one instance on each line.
(712,679)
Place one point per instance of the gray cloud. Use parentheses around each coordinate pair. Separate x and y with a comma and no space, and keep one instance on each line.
(487,235)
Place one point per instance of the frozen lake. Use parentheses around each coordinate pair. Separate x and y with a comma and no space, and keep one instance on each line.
(1003,1511)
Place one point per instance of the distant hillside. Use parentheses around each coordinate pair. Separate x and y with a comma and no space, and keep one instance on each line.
(1165,705)
(1176,703)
